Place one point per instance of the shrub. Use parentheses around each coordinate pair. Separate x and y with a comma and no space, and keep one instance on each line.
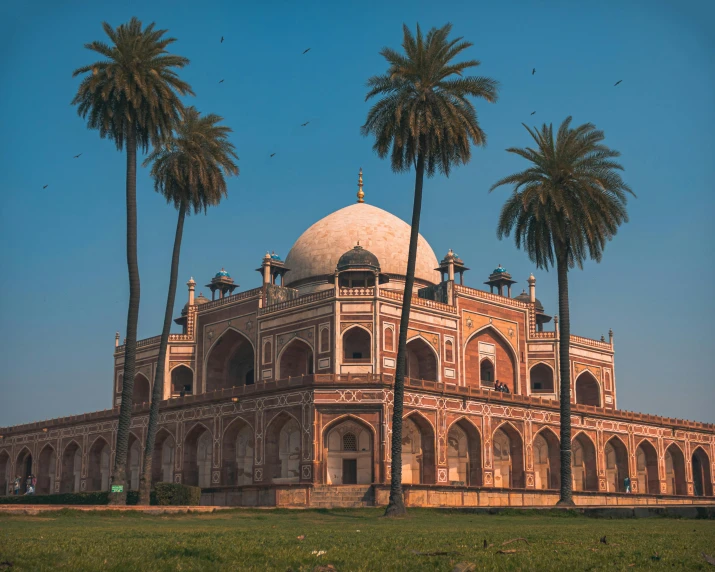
(177,495)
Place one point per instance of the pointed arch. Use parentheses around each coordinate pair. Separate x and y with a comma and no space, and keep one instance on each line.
(46,468)
(349,447)
(6,475)
(541,378)
(99,469)
(418,449)
(182,380)
(464,459)
(508,456)
(237,452)
(616,457)
(198,455)
(702,477)
(583,463)
(357,344)
(71,468)
(489,342)
(23,467)
(647,468)
(230,361)
(422,359)
(296,358)
(142,389)
(547,459)
(284,449)
(163,457)
(587,389)
(675,470)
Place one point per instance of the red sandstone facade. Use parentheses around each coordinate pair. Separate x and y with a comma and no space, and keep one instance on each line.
(274,393)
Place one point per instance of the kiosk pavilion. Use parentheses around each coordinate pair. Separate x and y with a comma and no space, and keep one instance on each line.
(282,394)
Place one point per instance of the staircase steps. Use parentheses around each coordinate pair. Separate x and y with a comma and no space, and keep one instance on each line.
(342,496)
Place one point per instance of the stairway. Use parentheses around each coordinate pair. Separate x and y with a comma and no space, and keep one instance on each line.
(341,496)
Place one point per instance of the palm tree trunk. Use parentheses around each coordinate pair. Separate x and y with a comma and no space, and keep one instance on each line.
(396,506)
(158,390)
(130,347)
(565,374)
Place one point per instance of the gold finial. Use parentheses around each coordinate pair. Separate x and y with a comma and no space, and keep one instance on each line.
(360,194)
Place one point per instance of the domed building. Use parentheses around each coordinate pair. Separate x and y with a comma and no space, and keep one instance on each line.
(282,394)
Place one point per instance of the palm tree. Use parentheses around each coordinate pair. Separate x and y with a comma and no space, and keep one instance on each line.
(189,170)
(564,208)
(131,97)
(423,118)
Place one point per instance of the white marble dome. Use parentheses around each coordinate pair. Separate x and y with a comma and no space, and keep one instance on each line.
(317,251)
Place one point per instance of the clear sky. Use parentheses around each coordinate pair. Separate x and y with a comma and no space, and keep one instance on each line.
(63,260)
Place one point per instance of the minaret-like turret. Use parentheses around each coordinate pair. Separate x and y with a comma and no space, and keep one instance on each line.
(221,283)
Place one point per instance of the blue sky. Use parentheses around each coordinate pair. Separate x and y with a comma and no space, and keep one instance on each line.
(64,271)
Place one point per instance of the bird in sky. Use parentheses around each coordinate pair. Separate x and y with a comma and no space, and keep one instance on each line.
(76,156)
(221,42)
(533,112)
(533,71)
(619,81)
(273,154)
(304,124)
(306,51)
(221,81)
(45,186)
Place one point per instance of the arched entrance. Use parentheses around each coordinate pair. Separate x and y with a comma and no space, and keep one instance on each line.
(238,453)
(541,377)
(162,461)
(489,346)
(182,381)
(198,454)
(283,449)
(99,465)
(23,468)
(547,460)
(583,464)
(508,457)
(702,481)
(134,461)
(675,471)
(5,474)
(142,390)
(464,454)
(230,362)
(357,344)
(421,360)
(348,454)
(418,462)
(71,468)
(647,467)
(616,465)
(296,359)
(587,390)
(46,467)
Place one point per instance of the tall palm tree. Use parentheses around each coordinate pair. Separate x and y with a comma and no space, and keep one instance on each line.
(422,119)
(564,208)
(132,97)
(189,170)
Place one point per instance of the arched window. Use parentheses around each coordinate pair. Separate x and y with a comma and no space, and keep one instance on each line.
(486,372)
(389,339)
(182,380)
(542,379)
(587,390)
(356,344)
(349,442)
(324,340)
(449,350)
(267,351)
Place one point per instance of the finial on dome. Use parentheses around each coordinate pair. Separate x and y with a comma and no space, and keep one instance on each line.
(360,194)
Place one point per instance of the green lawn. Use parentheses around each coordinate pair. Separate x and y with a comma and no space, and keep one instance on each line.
(349,540)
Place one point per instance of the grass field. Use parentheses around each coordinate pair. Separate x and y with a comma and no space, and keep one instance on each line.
(348,540)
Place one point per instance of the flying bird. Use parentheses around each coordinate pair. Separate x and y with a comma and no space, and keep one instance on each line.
(76,156)
(533,71)
(304,124)
(619,81)
(273,154)
(533,112)
(306,51)
(221,81)
(221,42)
(45,186)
